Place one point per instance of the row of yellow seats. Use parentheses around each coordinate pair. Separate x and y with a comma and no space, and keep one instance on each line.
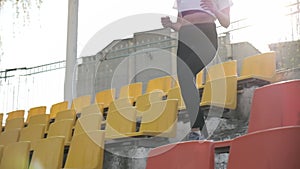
(261,67)
(86,151)
(104,98)
(131,91)
(84,136)
(143,104)
(222,80)
(151,116)
(20,113)
(36,115)
(157,119)
(65,125)
(220,92)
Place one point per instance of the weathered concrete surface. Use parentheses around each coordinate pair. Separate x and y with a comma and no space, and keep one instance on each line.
(288,74)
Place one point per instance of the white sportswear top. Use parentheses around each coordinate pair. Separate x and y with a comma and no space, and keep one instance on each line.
(186,5)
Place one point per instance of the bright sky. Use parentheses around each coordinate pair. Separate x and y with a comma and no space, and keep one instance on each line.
(43,40)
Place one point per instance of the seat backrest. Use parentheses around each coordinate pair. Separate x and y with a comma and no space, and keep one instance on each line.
(175,93)
(40,119)
(86,150)
(199,79)
(10,136)
(55,108)
(274,148)
(221,93)
(15,123)
(119,104)
(105,97)
(1,151)
(161,83)
(161,118)
(262,65)
(88,123)
(35,111)
(184,155)
(66,114)
(48,154)
(92,109)
(15,114)
(80,102)
(15,156)
(61,128)
(32,133)
(222,70)
(275,105)
(144,101)
(120,122)
(132,90)
(1,122)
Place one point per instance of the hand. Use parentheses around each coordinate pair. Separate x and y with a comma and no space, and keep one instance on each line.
(166,22)
(209,5)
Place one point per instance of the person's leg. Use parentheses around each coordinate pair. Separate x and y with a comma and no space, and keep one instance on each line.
(195,51)
(190,95)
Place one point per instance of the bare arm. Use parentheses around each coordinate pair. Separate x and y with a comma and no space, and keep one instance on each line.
(167,23)
(176,26)
(223,15)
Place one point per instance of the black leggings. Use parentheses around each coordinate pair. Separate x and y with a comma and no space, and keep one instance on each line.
(197,46)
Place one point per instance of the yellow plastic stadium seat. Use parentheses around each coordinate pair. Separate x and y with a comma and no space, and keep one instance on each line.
(62,128)
(92,109)
(15,114)
(220,93)
(8,137)
(35,111)
(222,70)
(199,80)
(131,91)
(105,97)
(175,93)
(15,123)
(15,156)
(262,67)
(1,122)
(1,151)
(161,83)
(55,108)
(119,104)
(120,122)
(48,154)
(175,82)
(143,102)
(86,151)
(67,114)
(40,119)
(32,133)
(80,102)
(160,120)
(88,123)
